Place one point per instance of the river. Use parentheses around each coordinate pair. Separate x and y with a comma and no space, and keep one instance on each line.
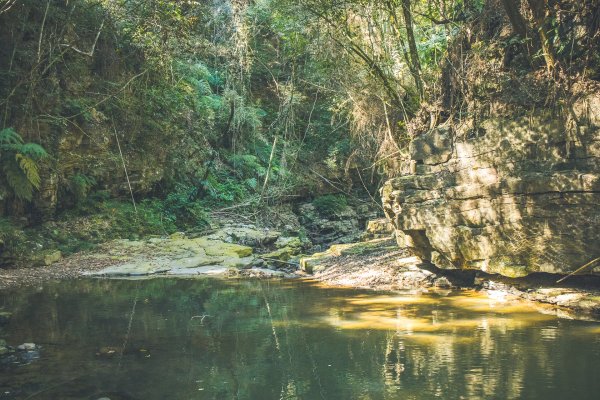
(259,339)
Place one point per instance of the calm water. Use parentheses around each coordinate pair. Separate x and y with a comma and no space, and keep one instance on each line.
(213,339)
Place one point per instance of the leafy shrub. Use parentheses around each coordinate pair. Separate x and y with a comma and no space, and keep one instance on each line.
(79,108)
(183,208)
(13,241)
(223,190)
(247,166)
(80,185)
(331,204)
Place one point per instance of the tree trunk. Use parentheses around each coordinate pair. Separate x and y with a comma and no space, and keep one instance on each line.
(415,66)
(227,137)
(517,21)
(540,20)
(519,25)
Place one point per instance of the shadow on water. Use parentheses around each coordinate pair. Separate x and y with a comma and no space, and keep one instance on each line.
(216,339)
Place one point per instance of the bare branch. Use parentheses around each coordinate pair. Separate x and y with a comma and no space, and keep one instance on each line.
(39,53)
(86,53)
(6,5)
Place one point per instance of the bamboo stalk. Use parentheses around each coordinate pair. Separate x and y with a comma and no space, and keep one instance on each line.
(266,181)
(579,269)
(125,169)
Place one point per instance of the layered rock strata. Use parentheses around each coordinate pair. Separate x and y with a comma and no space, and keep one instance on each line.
(512,196)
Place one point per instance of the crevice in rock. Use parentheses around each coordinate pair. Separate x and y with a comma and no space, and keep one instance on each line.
(422,245)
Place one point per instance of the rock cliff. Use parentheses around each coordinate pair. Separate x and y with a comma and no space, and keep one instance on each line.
(514,195)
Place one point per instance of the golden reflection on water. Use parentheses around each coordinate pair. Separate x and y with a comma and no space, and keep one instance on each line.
(431,313)
(485,342)
(429,333)
(593,331)
(340,343)
(392,300)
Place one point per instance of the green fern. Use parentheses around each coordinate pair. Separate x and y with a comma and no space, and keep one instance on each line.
(80,185)
(30,169)
(8,136)
(252,183)
(33,151)
(19,163)
(18,181)
(204,88)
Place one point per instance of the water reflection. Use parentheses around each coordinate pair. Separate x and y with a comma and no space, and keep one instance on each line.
(212,339)
(454,313)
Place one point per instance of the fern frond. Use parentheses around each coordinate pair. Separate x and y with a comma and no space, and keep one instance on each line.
(10,147)
(252,183)
(203,87)
(18,181)
(33,150)
(30,169)
(9,136)
(202,71)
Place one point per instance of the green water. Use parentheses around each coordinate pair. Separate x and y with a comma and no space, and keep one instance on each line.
(214,339)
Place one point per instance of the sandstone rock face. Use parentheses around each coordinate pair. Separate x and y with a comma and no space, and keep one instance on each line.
(513,196)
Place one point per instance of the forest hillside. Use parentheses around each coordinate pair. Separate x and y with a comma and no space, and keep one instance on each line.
(133,118)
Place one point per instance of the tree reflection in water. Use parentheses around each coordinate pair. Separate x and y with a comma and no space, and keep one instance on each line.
(214,339)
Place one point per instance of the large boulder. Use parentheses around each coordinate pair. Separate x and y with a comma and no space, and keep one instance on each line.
(513,196)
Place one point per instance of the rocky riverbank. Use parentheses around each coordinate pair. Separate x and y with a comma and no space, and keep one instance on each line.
(224,252)
(378,264)
(246,251)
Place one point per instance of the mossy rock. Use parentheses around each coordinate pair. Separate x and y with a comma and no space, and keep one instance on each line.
(287,247)
(318,261)
(133,269)
(218,248)
(245,235)
(509,270)
(157,256)
(52,257)
(283,254)
(3,347)
(289,242)
(43,257)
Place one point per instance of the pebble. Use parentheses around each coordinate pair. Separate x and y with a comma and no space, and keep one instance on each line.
(27,346)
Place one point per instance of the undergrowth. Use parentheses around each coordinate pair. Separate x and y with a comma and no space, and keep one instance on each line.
(330,205)
(97,220)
